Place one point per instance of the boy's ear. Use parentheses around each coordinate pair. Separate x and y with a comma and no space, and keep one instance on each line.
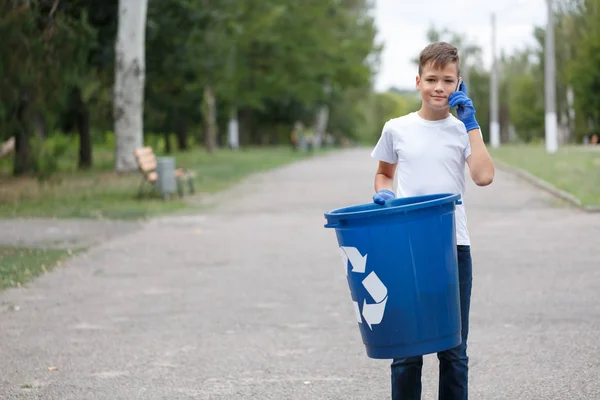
(417,82)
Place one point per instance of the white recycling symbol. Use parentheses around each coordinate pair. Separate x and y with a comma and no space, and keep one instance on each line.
(372,313)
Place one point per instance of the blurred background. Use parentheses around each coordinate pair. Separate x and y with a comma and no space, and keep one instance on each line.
(259,75)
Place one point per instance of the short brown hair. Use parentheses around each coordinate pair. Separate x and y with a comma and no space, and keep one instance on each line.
(439,55)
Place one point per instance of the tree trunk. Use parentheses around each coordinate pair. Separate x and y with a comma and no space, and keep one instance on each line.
(22,164)
(321,123)
(129,82)
(570,115)
(167,141)
(210,119)
(39,126)
(182,135)
(246,125)
(233,130)
(22,161)
(504,123)
(83,126)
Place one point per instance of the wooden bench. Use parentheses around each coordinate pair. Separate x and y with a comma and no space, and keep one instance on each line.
(146,160)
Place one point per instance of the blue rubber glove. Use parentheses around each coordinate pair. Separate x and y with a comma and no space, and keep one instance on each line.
(464,107)
(383,195)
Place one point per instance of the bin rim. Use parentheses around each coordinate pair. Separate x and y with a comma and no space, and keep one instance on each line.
(416,203)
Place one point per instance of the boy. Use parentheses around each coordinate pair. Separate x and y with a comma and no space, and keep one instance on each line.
(426,152)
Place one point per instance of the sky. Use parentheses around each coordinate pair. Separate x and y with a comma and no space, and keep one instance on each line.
(402,26)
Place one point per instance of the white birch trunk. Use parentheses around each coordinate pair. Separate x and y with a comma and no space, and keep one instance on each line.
(321,125)
(233,131)
(130,68)
(210,119)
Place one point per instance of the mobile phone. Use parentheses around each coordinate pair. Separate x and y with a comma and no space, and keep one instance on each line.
(458,85)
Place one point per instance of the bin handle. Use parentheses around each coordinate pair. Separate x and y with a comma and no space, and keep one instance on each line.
(332,225)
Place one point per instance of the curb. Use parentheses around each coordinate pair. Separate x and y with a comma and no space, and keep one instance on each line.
(542,184)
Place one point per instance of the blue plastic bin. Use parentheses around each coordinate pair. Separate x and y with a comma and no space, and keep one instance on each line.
(401,263)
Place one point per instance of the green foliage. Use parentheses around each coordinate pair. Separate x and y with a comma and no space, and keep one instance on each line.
(584,67)
(47,154)
(102,193)
(479,92)
(527,108)
(351,115)
(42,52)
(271,60)
(522,94)
(40,55)
(392,105)
(359,115)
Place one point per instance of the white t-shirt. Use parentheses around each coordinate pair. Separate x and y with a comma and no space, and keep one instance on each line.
(431,157)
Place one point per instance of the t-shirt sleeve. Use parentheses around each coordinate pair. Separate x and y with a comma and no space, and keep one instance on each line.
(467,150)
(384,149)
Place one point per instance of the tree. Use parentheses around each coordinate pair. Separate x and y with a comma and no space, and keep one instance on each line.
(268,61)
(88,88)
(129,82)
(584,66)
(521,94)
(527,111)
(42,50)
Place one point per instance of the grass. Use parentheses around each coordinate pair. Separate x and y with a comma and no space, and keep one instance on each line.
(20,265)
(574,169)
(103,193)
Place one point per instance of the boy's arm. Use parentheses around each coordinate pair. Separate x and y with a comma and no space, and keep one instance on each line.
(480,162)
(384,177)
(384,180)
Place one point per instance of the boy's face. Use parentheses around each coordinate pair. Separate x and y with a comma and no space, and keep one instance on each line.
(437,84)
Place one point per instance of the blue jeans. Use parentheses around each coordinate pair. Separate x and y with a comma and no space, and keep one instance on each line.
(454,363)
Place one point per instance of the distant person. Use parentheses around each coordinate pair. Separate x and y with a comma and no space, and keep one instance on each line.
(594,139)
(425,152)
(295,135)
(294,139)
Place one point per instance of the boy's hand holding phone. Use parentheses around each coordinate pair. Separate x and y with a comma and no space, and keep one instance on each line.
(464,107)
